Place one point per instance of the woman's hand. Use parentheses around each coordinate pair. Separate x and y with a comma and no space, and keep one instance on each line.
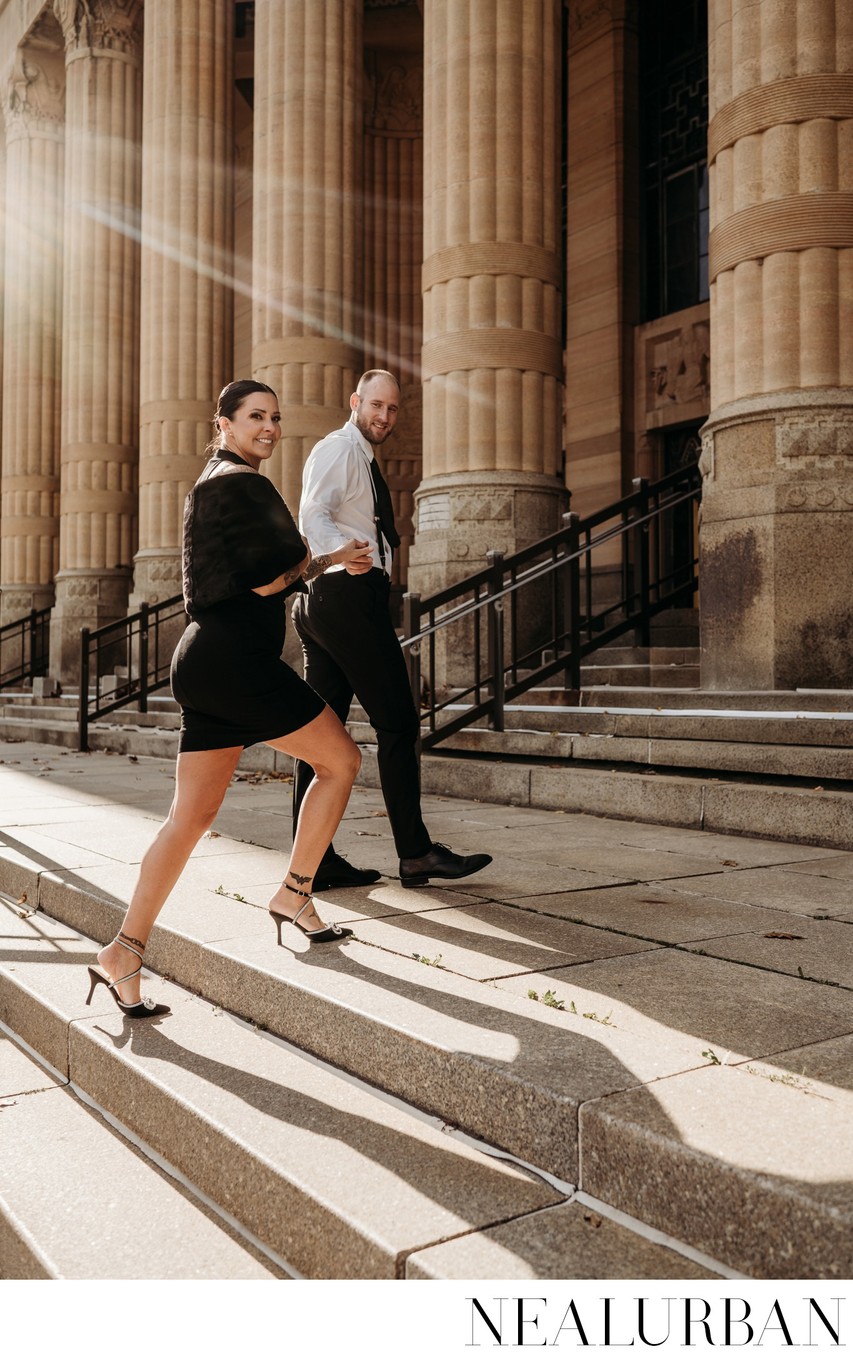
(356,556)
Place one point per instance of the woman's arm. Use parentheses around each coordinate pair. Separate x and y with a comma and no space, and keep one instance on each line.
(354,552)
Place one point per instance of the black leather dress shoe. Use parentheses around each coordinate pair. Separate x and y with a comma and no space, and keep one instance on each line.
(440,863)
(336,873)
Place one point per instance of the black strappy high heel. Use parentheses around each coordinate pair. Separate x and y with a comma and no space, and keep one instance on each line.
(331,933)
(140,1009)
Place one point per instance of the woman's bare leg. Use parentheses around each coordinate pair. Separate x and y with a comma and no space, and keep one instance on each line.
(328,748)
(201,781)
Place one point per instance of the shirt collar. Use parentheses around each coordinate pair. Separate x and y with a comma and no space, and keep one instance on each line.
(365,444)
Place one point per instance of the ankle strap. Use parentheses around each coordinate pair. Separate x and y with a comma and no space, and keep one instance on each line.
(301,892)
(121,940)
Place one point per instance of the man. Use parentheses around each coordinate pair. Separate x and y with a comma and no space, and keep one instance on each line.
(348,640)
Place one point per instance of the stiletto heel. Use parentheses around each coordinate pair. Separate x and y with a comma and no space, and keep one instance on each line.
(140,1009)
(331,933)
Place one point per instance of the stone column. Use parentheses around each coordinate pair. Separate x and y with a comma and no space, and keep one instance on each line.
(100,322)
(186,329)
(601,266)
(776,570)
(393,237)
(307,205)
(492,355)
(33,110)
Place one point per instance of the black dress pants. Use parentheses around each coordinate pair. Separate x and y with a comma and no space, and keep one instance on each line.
(350,648)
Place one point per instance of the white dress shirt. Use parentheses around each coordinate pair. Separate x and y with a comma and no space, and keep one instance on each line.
(337,501)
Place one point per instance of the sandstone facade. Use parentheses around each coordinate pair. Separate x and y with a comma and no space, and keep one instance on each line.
(487,198)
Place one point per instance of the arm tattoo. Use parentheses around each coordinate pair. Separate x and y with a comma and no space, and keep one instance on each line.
(290,576)
(317,565)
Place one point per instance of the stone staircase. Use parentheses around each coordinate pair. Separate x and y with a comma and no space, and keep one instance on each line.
(644,741)
(373,1112)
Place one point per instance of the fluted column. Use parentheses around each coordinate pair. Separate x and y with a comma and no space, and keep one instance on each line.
(100,321)
(186,329)
(307,212)
(33,113)
(492,356)
(393,246)
(778,447)
(601,262)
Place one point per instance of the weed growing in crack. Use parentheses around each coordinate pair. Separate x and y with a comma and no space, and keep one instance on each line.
(549,998)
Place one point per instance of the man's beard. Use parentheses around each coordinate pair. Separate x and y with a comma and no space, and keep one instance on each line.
(364,427)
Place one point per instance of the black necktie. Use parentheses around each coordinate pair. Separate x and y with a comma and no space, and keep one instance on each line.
(383,505)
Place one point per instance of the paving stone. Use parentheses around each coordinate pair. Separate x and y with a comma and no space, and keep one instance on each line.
(659,913)
(511,877)
(19,1074)
(333,1178)
(711,1004)
(68,1215)
(821,951)
(631,863)
(757,1174)
(568,1243)
(835,867)
(487,941)
(743,850)
(774,887)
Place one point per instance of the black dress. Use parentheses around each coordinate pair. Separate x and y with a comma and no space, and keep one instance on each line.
(227,673)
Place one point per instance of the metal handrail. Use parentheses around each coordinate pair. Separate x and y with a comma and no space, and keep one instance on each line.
(31,634)
(560,565)
(124,661)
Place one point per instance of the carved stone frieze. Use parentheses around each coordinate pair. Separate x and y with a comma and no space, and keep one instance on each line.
(818,496)
(814,439)
(33,91)
(394,92)
(106,25)
(678,368)
(483,507)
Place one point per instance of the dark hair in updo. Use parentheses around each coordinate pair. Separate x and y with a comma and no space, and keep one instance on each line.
(231,398)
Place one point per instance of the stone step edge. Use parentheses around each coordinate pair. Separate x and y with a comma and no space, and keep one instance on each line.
(567,1191)
(310,1020)
(256,1161)
(713,804)
(229,1225)
(748,807)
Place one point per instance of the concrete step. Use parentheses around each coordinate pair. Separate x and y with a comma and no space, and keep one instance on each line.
(77,1201)
(658,675)
(327,1174)
(833,762)
(616,656)
(437,1001)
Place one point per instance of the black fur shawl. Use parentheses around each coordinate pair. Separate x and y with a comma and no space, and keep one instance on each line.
(238,534)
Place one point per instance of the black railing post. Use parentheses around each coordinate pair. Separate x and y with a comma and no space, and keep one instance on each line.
(32,667)
(83,710)
(572,678)
(143,658)
(411,626)
(641,560)
(495,637)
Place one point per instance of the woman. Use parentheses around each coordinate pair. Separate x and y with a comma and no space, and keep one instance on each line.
(242,555)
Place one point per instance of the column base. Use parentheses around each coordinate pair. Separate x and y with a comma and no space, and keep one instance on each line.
(18,600)
(459,519)
(85,598)
(776,572)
